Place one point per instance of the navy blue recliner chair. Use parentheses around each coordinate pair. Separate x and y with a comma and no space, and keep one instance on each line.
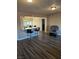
(53,31)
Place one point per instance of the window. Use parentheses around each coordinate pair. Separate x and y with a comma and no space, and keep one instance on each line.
(27,21)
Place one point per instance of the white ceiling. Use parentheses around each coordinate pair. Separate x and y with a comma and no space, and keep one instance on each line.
(38,7)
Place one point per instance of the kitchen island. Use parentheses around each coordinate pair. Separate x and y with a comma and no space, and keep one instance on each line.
(22,34)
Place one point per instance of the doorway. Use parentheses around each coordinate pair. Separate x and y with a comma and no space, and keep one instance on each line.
(43,24)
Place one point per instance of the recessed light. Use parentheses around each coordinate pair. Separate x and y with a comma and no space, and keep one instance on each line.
(53,8)
(29,0)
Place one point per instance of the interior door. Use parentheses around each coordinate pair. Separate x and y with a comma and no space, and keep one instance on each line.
(43,24)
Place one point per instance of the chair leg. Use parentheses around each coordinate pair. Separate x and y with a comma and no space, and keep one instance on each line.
(30,36)
(37,33)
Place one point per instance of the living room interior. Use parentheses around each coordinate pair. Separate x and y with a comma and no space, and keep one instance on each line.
(38,29)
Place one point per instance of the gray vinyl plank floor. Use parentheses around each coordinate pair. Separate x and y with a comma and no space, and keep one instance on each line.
(41,47)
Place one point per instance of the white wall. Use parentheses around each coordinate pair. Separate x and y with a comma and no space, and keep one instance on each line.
(51,20)
(54,20)
(19,21)
(36,21)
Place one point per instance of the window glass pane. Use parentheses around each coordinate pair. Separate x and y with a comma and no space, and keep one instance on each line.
(27,21)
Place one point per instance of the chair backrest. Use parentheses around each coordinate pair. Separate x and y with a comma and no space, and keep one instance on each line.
(30,26)
(37,29)
(34,25)
(54,28)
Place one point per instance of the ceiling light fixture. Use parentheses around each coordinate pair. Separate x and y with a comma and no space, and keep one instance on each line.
(53,8)
(29,0)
